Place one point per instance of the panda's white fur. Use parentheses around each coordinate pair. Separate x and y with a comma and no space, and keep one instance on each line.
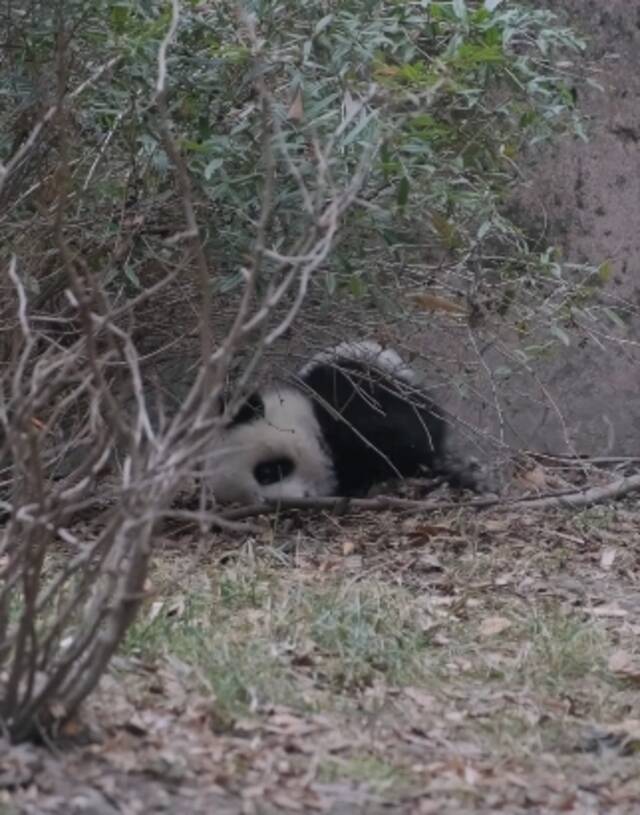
(366,351)
(303,424)
(289,426)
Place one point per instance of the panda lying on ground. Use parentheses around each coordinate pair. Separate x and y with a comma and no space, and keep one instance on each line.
(353,417)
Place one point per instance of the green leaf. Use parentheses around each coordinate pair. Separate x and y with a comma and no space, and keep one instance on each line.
(446,230)
(615,318)
(357,286)
(322,24)
(119,17)
(403,192)
(460,9)
(605,271)
(561,335)
(211,167)
(131,276)
(483,229)
(471,54)
(363,121)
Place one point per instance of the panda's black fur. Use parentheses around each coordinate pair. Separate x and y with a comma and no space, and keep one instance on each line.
(376,427)
(353,417)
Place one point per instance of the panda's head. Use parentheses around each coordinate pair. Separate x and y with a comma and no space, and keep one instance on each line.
(271,450)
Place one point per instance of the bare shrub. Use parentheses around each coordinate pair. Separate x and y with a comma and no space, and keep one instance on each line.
(72,385)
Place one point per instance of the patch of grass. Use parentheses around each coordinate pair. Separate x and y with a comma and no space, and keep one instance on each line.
(379,775)
(220,630)
(532,685)
(541,648)
(259,637)
(486,682)
(369,630)
(564,649)
(595,517)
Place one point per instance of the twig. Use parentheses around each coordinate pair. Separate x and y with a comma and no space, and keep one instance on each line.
(343,505)
(593,495)
(28,143)
(192,232)
(211,519)
(580,459)
(492,384)
(561,498)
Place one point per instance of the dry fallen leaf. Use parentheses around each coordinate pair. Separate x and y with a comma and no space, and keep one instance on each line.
(420,697)
(432,302)
(491,626)
(619,660)
(285,801)
(155,609)
(607,556)
(427,531)
(428,806)
(387,70)
(607,610)
(496,525)
(627,732)
(535,477)
(471,775)
(296,108)
(625,665)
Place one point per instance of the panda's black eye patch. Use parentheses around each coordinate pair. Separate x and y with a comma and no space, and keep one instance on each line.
(272,471)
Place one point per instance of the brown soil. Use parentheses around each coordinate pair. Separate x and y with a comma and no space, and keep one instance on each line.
(588,195)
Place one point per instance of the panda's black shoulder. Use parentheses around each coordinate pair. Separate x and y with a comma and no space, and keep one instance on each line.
(335,381)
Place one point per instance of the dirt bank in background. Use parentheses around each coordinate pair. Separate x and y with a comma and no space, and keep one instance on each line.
(589,195)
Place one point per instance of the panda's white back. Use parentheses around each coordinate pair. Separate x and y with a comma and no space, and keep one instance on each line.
(365,351)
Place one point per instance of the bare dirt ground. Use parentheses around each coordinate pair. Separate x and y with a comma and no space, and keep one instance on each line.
(380,662)
(586,193)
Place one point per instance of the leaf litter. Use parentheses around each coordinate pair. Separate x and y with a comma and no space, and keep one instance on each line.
(467,663)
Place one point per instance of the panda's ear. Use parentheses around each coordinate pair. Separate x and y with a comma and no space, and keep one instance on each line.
(250,410)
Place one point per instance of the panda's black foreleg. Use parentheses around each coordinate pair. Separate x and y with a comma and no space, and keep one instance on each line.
(462,474)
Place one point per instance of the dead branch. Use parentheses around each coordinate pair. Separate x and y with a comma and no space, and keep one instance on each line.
(55,398)
(341,505)
(192,232)
(212,519)
(593,495)
(22,152)
(579,460)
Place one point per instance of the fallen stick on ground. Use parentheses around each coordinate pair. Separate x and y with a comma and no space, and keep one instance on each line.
(565,498)
(592,495)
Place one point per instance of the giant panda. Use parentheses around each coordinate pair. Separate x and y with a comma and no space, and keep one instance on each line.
(352,417)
